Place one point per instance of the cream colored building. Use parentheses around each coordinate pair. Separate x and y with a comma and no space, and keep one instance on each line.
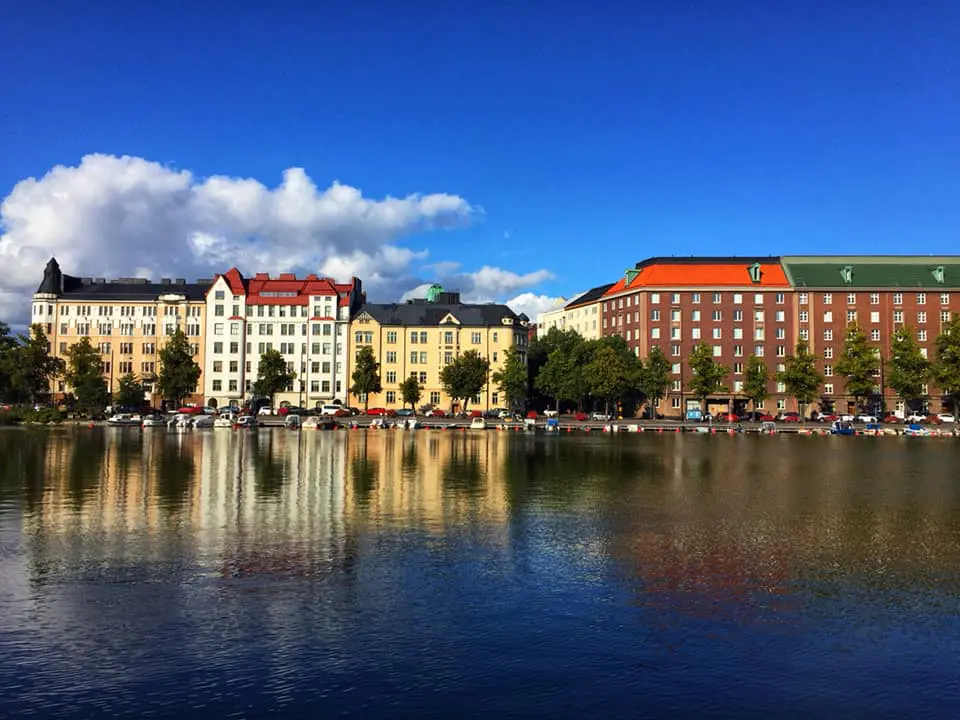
(581,314)
(421,337)
(128,320)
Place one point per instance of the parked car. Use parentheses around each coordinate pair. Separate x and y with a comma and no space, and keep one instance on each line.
(550,413)
(947,418)
(404,412)
(436,412)
(728,417)
(532,415)
(380,412)
(504,414)
(866,418)
(333,410)
(580,416)
(602,416)
(933,420)
(265,410)
(789,417)
(916,418)
(891,419)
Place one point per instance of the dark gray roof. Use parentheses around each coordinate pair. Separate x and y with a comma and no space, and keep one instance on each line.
(591,295)
(430,314)
(69,287)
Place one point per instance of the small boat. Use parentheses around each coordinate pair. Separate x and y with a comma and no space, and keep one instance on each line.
(224,421)
(407,423)
(246,422)
(553,425)
(153,421)
(478,423)
(768,428)
(914,430)
(292,422)
(180,421)
(378,424)
(203,421)
(842,427)
(123,420)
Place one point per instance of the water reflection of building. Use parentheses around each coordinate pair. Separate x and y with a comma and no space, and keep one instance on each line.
(427,480)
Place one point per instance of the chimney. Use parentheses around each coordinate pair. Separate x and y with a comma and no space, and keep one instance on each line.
(180,281)
(164,281)
(100,281)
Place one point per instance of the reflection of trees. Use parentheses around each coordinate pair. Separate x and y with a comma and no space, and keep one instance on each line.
(176,471)
(23,465)
(364,471)
(86,464)
(409,459)
(462,471)
(269,475)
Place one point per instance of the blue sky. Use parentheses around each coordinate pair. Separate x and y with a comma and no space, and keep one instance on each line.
(583,136)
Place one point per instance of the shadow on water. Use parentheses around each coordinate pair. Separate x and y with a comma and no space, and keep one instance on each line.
(23,466)
(85,470)
(176,471)
(269,472)
(462,471)
(364,470)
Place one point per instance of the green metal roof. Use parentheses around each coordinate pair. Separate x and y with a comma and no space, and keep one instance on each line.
(891,271)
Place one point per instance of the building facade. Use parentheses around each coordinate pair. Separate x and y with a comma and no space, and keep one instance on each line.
(421,337)
(128,320)
(581,314)
(306,320)
(738,306)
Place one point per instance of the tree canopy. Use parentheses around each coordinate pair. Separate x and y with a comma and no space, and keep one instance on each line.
(908,369)
(755,381)
(273,375)
(84,374)
(129,391)
(858,364)
(947,368)
(179,373)
(366,375)
(411,391)
(655,376)
(511,379)
(465,377)
(708,374)
(31,367)
(800,375)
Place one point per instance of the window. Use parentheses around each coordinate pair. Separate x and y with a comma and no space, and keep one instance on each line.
(655,333)
(738,386)
(423,337)
(654,298)
(737,298)
(232,385)
(738,315)
(779,316)
(851,298)
(804,334)
(758,333)
(923,352)
(758,299)
(717,350)
(218,385)
(898,316)
(874,298)
(803,298)
(779,298)
(475,338)
(435,397)
(695,298)
(781,351)
(921,298)
(874,317)
(758,350)
(695,333)
(675,403)
(413,337)
(827,316)
(781,333)
(921,318)
(738,368)
(828,389)
(717,333)
(218,366)
(828,298)
(218,310)
(875,335)
(944,316)
(738,333)
(781,403)
(828,353)
(655,315)
(217,348)
(738,350)
(851,316)
(674,316)
(781,387)
(675,298)
(674,350)
(717,316)
(423,358)
(675,368)
(758,316)
(898,298)
(717,297)
(695,316)
(391,396)
(804,316)
(413,357)
(218,295)
(448,338)
(391,357)
(674,333)
(422,378)
(944,298)
(828,370)
(922,335)
(675,386)
(828,334)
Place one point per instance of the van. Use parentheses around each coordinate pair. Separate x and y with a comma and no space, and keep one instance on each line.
(331,409)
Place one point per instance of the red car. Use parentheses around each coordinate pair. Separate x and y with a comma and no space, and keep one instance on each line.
(436,412)
(379,411)
(580,417)
(728,417)
(791,417)
(532,415)
(191,410)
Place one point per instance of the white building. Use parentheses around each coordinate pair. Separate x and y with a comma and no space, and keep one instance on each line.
(581,314)
(307,320)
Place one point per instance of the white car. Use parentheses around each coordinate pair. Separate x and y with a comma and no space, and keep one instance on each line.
(847,418)
(864,418)
(600,416)
(915,418)
(331,410)
(947,417)
(265,410)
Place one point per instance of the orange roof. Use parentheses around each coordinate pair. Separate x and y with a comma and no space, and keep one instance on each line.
(703,274)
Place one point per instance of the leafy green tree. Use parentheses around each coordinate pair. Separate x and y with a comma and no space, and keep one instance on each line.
(512,379)
(366,375)
(411,391)
(563,376)
(909,369)
(465,377)
(608,376)
(858,364)
(179,373)
(32,368)
(538,351)
(801,377)
(755,381)
(655,376)
(947,367)
(273,375)
(8,344)
(84,373)
(708,374)
(129,391)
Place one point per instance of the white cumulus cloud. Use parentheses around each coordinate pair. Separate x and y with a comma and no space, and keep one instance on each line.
(113,216)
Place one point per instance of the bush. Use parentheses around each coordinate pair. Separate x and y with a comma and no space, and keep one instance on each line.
(17,415)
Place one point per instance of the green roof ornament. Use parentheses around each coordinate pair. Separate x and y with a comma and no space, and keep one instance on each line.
(630,275)
(846,272)
(755,273)
(938,274)
(433,293)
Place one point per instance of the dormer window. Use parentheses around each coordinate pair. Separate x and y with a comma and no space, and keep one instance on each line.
(938,274)
(754,271)
(846,274)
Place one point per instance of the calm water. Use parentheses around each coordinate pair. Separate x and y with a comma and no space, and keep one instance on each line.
(464,574)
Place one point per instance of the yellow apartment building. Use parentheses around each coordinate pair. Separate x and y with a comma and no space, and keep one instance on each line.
(420,337)
(128,320)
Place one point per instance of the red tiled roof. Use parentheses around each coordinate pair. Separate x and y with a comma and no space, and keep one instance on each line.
(702,274)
